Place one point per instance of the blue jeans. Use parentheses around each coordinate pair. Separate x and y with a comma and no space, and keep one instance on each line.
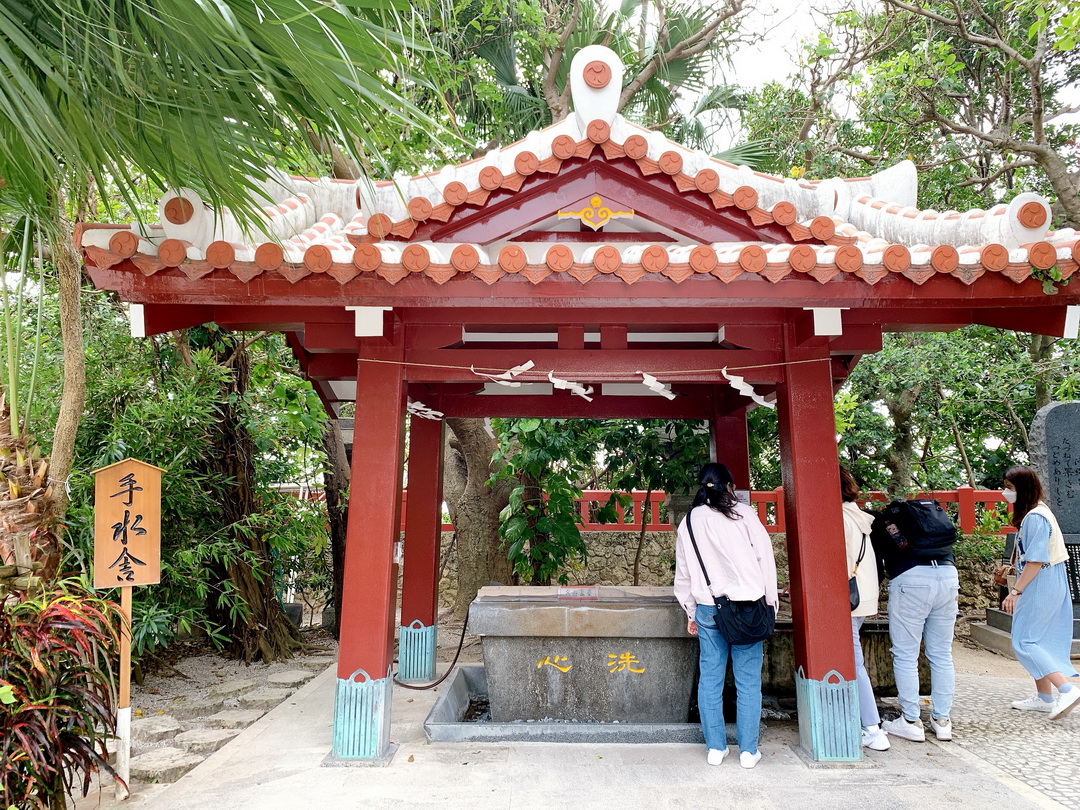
(922,607)
(746,663)
(867,701)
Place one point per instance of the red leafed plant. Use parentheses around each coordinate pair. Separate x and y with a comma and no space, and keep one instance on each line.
(56,695)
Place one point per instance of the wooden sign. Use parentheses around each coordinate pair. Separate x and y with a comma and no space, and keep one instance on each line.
(127,524)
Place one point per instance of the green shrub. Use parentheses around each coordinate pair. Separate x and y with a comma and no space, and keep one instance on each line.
(985,543)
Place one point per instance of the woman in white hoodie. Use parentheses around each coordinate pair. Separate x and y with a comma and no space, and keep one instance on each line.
(862,565)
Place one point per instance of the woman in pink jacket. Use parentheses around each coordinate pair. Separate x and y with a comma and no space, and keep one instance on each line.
(737,552)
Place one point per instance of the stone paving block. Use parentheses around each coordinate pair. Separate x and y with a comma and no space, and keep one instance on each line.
(163,765)
(1023,744)
(185,709)
(315,663)
(154,729)
(205,740)
(264,698)
(231,689)
(291,679)
(235,718)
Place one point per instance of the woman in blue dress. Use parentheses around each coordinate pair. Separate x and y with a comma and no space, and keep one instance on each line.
(1040,600)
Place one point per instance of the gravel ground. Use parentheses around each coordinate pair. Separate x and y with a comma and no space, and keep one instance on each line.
(192,669)
(192,676)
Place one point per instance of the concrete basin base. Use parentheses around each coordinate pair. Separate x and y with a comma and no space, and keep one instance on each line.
(445,724)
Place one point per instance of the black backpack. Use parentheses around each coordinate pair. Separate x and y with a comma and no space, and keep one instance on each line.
(917,528)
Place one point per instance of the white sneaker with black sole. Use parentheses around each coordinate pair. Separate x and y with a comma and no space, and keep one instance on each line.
(1033,704)
(1066,703)
(900,727)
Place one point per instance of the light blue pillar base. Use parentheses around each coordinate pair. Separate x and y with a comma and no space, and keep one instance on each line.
(829,721)
(416,653)
(362,717)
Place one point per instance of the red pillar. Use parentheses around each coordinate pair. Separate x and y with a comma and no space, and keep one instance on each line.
(729,443)
(423,523)
(815,525)
(965,501)
(370,591)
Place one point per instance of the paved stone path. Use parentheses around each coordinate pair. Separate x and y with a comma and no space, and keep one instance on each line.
(1026,745)
(168,745)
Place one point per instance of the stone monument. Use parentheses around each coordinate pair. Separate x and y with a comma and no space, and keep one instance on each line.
(1055,455)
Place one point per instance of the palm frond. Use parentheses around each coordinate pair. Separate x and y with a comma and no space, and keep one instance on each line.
(195,94)
(754,154)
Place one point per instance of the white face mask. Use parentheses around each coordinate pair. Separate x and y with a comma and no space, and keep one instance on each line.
(1009,495)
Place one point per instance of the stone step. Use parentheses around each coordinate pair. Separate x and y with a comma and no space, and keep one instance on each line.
(995,617)
(154,729)
(185,709)
(996,639)
(264,698)
(235,718)
(163,765)
(291,679)
(205,740)
(999,619)
(317,663)
(231,689)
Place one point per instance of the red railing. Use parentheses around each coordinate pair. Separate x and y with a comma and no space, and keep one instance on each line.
(969,505)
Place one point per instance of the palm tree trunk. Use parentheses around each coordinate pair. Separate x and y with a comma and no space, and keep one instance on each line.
(29,550)
(73,395)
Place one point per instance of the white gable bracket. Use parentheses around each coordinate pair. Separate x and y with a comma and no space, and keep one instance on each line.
(137,320)
(827,320)
(1072,321)
(369,320)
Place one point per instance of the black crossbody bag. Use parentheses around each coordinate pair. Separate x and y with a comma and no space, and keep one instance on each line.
(740,623)
(852,585)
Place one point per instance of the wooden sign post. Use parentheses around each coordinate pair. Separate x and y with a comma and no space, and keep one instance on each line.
(127,552)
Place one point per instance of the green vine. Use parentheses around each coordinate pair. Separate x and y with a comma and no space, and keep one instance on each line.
(1050,278)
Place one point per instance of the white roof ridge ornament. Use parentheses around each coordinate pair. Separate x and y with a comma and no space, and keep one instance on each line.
(596,77)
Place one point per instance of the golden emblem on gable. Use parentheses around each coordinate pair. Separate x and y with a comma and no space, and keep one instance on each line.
(596,215)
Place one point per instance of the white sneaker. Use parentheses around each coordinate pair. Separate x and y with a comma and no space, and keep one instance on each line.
(1065,704)
(942,728)
(876,740)
(900,727)
(1033,704)
(748,760)
(716,755)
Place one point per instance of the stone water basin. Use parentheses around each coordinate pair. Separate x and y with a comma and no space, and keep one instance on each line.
(624,657)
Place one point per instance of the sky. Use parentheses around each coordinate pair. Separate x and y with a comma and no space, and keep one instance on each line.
(784,26)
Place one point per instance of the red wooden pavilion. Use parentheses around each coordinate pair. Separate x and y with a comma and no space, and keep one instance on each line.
(597,250)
